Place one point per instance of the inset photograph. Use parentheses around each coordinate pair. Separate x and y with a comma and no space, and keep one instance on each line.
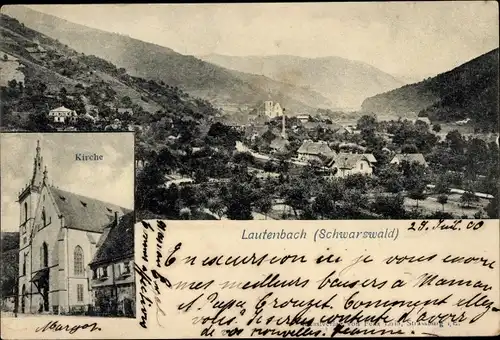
(67,202)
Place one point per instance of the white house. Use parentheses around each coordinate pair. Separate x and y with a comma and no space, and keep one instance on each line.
(345,164)
(62,114)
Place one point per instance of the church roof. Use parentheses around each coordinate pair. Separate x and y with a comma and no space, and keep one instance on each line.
(119,243)
(85,213)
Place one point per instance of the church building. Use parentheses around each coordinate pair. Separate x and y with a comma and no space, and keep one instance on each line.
(59,236)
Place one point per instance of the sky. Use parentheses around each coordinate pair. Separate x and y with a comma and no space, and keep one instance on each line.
(401,38)
(110,180)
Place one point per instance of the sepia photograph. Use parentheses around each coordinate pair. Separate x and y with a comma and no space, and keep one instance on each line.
(369,111)
(67,235)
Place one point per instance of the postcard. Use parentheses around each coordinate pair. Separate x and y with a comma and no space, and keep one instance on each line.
(247,170)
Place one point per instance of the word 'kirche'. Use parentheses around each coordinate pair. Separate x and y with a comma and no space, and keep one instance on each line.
(88,157)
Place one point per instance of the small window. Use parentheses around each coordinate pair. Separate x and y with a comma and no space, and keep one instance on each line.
(79,292)
(94,274)
(109,210)
(83,203)
(63,198)
(104,271)
(126,267)
(361,166)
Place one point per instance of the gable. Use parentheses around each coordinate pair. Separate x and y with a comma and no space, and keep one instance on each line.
(119,242)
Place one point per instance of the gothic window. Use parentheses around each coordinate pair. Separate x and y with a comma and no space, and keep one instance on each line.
(79,292)
(25,211)
(78,261)
(44,218)
(44,256)
(24,264)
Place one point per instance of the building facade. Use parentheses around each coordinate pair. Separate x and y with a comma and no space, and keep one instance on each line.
(272,109)
(346,164)
(62,115)
(59,233)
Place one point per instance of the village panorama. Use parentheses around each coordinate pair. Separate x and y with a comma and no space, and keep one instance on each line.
(269,154)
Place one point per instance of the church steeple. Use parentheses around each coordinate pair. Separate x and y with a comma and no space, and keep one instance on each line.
(38,173)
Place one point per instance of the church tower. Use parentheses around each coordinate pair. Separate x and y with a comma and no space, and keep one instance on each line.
(283,125)
(28,199)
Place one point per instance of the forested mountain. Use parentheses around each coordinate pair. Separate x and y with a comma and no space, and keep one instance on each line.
(346,83)
(468,91)
(221,86)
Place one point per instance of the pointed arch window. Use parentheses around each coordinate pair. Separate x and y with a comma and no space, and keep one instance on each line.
(44,218)
(78,261)
(44,255)
(25,211)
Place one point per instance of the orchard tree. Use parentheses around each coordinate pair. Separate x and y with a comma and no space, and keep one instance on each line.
(442,199)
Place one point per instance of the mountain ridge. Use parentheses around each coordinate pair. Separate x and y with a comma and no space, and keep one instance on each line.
(152,61)
(345,82)
(469,90)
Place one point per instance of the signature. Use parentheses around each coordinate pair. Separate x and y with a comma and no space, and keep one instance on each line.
(57,327)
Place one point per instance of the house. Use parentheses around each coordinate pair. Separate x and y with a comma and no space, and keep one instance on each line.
(303,118)
(112,281)
(371,158)
(62,115)
(411,158)
(125,110)
(310,150)
(279,144)
(58,237)
(36,51)
(345,164)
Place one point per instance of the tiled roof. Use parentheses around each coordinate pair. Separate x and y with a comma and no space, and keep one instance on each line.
(85,213)
(347,160)
(119,243)
(61,109)
(411,157)
(315,148)
(370,157)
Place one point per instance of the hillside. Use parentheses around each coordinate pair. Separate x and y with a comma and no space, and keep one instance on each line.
(468,91)
(217,84)
(344,82)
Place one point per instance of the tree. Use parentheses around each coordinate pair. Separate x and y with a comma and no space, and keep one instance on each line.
(389,206)
(442,199)
(238,201)
(417,193)
(323,204)
(264,205)
(216,205)
(126,101)
(436,128)
(366,123)
(467,198)
(492,209)
(443,184)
